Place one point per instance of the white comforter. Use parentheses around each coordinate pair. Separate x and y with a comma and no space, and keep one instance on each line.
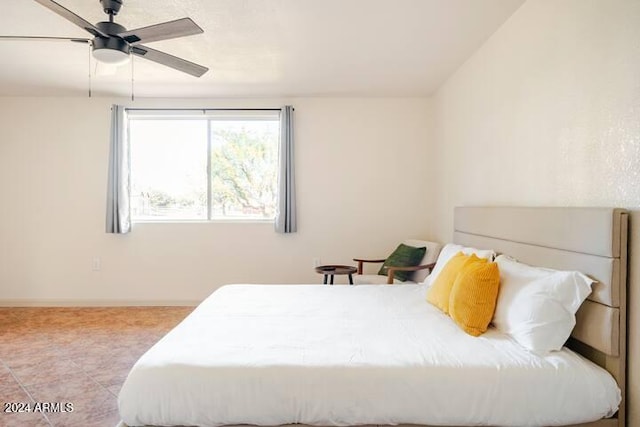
(348,355)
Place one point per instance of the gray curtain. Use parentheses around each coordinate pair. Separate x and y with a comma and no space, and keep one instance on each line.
(286,221)
(118,210)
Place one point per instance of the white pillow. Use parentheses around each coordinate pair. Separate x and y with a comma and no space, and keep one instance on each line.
(449,251)
(537,306)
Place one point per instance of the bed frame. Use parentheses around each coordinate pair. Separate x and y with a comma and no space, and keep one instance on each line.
(590,240)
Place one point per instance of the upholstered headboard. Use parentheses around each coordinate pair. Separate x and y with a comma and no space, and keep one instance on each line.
(590,240)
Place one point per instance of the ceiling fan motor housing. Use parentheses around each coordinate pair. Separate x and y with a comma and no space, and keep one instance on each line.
(111,7)
(114,49)
(110,28)
(113,43)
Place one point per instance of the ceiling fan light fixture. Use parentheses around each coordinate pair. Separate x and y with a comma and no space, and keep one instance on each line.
(113,50)
(111,56)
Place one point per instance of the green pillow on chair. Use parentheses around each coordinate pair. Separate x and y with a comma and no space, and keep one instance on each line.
(403,256)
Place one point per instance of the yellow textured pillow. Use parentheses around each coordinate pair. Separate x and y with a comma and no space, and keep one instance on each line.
(440,290)
(473,297)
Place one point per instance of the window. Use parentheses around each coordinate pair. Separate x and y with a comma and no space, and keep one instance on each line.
(215,165)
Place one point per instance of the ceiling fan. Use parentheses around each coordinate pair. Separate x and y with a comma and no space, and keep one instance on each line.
(113,44)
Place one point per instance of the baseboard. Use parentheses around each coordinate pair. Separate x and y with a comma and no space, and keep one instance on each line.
(95,303)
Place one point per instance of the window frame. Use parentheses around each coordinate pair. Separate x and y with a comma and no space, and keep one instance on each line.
(210,115)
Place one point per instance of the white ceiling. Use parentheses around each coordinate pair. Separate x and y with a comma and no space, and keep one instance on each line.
(258,47)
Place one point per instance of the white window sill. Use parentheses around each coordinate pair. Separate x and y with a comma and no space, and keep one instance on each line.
(205,221)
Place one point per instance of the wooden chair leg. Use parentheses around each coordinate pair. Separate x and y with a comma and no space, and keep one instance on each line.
(390,274)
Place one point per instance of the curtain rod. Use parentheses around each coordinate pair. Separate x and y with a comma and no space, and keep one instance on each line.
(204,109)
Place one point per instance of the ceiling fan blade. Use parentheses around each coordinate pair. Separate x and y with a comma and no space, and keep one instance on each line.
(169,60)
(45,38)
(164,31)
(70,16)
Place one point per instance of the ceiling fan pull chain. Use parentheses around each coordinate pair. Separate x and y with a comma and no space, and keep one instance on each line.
(132,95)
(89,44)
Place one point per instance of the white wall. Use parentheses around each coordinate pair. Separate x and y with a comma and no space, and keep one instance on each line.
(547,112)
(361,188)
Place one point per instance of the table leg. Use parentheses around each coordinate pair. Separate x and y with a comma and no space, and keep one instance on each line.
(325,280)
(332,279)
(350,280)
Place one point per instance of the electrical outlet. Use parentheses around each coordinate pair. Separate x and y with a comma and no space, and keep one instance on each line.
(96,264)
(316,262)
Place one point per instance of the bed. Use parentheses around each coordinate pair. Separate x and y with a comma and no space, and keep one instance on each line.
(381,355)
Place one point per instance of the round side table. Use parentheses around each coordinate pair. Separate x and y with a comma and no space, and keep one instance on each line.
(331,270)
